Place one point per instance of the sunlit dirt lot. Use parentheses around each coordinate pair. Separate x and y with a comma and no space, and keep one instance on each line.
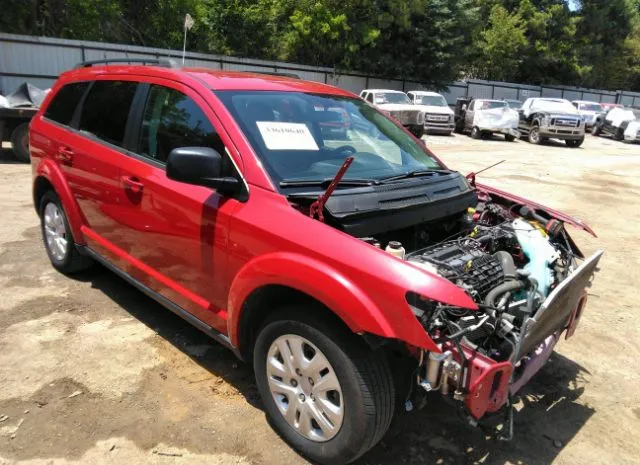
(94,372)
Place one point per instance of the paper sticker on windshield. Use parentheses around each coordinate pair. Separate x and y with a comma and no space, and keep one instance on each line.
(286,136)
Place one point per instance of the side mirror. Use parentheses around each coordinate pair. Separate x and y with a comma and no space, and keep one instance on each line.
(201,166)
(464,107)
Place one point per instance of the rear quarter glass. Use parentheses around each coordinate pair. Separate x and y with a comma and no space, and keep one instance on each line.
(64,102)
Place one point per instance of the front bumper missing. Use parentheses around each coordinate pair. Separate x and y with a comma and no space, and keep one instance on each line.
(485,385)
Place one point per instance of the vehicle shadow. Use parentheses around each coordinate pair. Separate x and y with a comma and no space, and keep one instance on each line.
(8,158)
(548,417)
(218,360)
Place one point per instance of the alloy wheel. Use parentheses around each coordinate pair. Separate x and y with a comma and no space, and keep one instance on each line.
(55,231)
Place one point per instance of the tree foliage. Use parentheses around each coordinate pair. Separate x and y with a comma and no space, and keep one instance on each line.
(592,43)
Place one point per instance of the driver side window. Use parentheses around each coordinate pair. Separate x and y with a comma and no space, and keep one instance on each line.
(370,97)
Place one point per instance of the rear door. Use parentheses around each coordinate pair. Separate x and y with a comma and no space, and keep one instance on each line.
(91,157)
(177,233)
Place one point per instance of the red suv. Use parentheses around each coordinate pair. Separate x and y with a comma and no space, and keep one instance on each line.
(355,270)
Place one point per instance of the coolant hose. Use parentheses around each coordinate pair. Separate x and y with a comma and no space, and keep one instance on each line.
(506,263)
(508,286)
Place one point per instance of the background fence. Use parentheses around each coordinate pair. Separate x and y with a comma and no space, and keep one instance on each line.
(40,60)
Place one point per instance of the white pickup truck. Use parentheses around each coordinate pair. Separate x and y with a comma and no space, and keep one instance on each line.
(397,105)
(438,117)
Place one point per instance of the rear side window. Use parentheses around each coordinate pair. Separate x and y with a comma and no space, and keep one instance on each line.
(171,120)
(64,103)
(106,109)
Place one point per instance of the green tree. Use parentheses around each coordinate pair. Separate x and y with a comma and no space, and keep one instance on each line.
(501,45)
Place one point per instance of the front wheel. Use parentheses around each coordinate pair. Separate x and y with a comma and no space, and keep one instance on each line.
(325,392)
(574,143)
(595,130)
(509,138)
(534,135)
(476,133)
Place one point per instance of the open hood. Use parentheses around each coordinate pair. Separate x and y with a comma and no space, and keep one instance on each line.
(576,222)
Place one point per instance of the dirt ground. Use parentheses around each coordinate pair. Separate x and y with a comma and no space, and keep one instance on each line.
(94,372)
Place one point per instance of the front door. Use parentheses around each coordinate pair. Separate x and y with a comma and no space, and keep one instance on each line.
(177,233)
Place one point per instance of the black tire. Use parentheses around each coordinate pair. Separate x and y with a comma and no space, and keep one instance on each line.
(367,386)
(574,143)
(476,133)
(534,135)
(595,130)
(619,134)
(20,142)
(509,138)
(73,261)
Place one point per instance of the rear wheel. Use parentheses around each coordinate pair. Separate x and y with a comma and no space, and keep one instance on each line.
(20,142)
(534,135)
(574,143)
(58,239)
(476,133)
(619,134)
(509,138)
(595,130)
(325,392)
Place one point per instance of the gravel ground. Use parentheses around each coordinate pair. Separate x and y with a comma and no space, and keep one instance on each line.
(94,372)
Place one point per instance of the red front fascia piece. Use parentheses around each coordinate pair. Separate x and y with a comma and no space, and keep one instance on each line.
(487,383)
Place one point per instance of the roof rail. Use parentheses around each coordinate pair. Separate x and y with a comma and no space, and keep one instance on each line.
(164,62)
(274,73)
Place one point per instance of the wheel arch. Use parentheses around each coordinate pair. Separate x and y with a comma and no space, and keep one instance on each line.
(264,302)
(267,282)
(48,177)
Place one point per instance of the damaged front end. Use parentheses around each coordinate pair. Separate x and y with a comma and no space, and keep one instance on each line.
(523,271)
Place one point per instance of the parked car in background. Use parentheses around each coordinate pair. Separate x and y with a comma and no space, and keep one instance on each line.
(608,106)
(397,105)
(544,118)
(484,117)
(589,110)
(438,117)
(619,123)
(513,104)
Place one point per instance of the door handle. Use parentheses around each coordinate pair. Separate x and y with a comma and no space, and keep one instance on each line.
(132,184)
(64,154)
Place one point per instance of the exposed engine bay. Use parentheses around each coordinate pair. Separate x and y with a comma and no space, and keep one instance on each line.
(521,268)
(516,262)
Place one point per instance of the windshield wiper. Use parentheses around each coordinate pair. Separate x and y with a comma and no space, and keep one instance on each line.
(415,174)
(324,183)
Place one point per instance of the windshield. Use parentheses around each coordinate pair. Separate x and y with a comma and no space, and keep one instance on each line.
(303,136)
(433,100)
(590,107)
(391,97)
(553,105)
(515,104)
(490,104)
